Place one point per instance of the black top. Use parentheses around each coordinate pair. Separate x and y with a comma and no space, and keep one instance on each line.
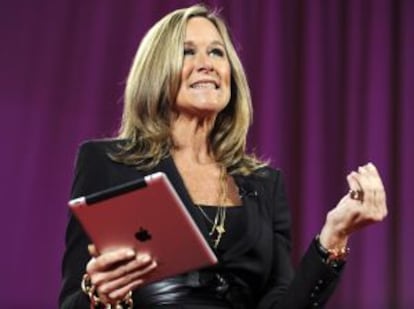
(234,224)
(259,258)
(211,287)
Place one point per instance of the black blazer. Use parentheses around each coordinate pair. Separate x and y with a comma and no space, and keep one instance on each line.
(261,258)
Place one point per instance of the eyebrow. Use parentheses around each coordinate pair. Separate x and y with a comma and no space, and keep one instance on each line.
(215,42)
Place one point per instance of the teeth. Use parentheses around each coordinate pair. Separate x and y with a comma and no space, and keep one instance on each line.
(204,85)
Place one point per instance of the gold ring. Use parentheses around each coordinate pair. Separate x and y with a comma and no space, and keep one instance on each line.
(357,195)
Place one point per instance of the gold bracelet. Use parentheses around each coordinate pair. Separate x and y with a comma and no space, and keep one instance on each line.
(89,289)
(334,256)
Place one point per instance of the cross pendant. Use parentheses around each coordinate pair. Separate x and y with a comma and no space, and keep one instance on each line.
(220,229)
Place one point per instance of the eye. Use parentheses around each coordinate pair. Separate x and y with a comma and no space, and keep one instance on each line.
(217,52)
(188,51)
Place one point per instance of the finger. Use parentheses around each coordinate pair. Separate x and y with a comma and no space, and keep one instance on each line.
(373,169)
(120,293)
(120,286)
(355,189)
(352,180)
(121,270)
(367,183)
(108,259)
(375,204)
(92,250)
(380,196)
(375,176)
(380,202)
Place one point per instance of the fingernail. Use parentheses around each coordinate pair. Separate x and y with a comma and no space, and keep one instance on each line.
(144,258)
(130,253)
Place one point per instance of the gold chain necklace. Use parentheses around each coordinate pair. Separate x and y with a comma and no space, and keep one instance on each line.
(218,225)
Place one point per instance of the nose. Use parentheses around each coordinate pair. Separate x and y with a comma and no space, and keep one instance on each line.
(204,63)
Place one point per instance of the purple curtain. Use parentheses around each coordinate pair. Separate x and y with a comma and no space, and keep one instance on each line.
(333,88)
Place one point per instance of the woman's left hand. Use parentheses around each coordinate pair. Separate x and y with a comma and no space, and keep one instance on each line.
(353,213)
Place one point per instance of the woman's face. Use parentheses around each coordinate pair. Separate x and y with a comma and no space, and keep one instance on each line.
(205,75)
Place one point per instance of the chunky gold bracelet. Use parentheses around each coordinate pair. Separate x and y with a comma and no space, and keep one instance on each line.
(334,256)
(89,289)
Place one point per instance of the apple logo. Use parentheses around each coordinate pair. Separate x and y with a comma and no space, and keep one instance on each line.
(143,235)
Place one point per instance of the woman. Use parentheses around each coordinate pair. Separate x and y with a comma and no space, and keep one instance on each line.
(187,111)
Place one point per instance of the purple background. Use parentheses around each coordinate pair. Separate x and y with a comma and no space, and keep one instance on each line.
(333,88)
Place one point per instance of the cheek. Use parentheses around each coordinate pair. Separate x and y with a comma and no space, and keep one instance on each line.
(227,81)
(187,67)
(185,71)
(226,75)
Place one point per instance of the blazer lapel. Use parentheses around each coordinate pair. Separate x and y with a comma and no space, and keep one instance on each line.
(250,193)
(251,198)
(168,166)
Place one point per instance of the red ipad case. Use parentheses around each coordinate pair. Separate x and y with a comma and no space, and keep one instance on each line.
(148,216)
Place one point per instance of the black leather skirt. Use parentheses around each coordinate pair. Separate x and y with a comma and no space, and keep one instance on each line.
(198,289)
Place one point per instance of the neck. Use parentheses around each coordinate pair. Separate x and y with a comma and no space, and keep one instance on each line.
(191,139)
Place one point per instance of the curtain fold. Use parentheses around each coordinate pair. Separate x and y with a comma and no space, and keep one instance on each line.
(332,85)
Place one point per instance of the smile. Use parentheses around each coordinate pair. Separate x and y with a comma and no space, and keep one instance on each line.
(204,85)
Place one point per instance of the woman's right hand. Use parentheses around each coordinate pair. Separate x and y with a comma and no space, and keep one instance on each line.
(117,272)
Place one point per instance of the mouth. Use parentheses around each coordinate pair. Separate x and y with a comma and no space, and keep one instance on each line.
(205,85)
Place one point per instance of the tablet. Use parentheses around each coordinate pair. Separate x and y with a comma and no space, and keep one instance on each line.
(147,215)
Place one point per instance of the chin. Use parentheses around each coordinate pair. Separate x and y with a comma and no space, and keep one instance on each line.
(201,107)
(211,108)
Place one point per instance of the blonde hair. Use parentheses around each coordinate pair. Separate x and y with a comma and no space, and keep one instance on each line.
(152,86)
